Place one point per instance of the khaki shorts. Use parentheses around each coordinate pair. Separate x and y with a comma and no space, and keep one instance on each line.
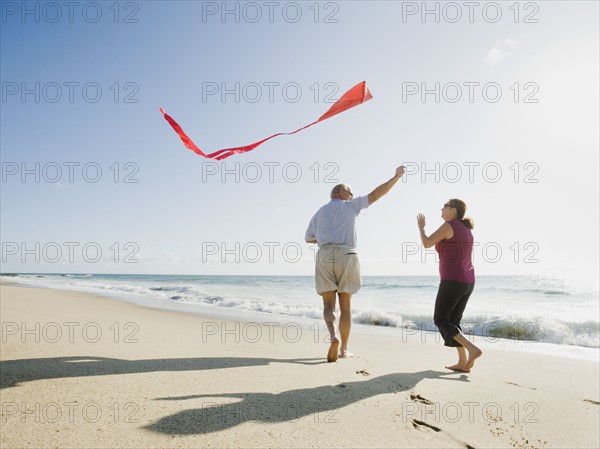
(337,268)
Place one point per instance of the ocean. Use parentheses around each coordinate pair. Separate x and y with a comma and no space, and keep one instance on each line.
(539,313)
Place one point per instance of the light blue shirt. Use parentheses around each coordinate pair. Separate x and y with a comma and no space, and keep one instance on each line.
(335,222)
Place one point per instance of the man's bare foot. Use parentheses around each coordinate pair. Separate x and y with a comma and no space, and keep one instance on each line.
(346,354)
(473,355)
(332,354)
(459,367)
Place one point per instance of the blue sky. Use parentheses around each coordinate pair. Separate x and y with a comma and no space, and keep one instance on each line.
(179,217)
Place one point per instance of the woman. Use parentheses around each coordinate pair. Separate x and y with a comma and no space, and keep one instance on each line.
(454,243)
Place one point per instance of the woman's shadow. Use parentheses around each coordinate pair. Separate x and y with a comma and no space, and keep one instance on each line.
(321,402)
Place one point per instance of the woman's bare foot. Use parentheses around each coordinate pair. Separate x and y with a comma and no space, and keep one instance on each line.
(332,354)
(474,354)
(459,367)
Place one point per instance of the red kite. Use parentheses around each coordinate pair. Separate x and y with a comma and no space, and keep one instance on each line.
(355,96)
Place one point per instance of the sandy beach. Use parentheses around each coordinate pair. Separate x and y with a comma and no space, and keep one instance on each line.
(84,371)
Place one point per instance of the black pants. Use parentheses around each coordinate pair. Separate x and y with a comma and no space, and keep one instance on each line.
(450,304)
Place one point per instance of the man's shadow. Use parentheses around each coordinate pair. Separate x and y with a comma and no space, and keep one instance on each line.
(13,372)
(321,402)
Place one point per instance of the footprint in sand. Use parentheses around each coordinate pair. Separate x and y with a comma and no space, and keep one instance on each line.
(418,398)
(522,386)
(422,425)
(417,424)
(501,428)
(524,443)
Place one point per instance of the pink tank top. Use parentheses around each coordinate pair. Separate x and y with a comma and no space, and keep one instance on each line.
(455,255)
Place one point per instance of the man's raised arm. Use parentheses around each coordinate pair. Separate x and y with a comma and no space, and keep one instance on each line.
(386,186)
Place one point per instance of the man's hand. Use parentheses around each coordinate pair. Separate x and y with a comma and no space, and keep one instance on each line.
(386,186)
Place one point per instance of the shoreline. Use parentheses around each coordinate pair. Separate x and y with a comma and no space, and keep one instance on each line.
(156,378)
(315,325)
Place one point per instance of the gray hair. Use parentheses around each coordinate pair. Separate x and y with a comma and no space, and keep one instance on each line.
(338,188)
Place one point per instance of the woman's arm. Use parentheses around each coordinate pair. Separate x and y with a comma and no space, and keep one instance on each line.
(443,232)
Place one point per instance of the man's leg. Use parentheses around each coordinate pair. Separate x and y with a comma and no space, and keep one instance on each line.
(329,317)
(345,321)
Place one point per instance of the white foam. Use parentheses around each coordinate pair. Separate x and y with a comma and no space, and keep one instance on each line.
(274,298)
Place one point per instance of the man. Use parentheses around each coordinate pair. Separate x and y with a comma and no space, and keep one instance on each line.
(337,269)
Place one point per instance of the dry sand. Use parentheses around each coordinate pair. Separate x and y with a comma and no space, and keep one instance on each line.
(83,371)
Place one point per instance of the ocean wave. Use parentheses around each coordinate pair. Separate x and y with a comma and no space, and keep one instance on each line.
(491,327)
(246,296)
(555,292)
(521,290)
(374,317)
(169,289)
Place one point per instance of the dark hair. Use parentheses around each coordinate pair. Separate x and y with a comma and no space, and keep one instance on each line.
(461,208)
